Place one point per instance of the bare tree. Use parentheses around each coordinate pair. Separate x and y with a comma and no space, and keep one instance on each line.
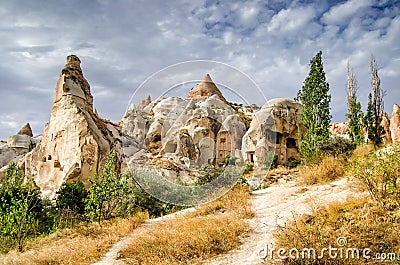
(375,106)
(354,114)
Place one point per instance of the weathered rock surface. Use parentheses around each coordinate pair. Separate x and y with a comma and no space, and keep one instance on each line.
(7,154)
(275,129)
(144,103)
(27,130)
(205,89)
(202,129)
(387,138)
(17,146)
(75,142)
(395,123)
(339,128)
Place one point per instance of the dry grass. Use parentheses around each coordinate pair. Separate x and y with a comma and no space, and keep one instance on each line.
(329,169)
(361,222)
(82,245)
(361,151)
(212,229)
(281,170)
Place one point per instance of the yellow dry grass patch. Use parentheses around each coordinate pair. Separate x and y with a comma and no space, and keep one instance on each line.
(329,169)
(82,245)
(212,229)
(360,221)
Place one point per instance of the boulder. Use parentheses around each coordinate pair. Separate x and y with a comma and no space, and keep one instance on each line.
(7,154)
(20,141)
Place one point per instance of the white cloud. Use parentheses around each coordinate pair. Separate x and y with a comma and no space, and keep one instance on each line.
(339,14)
(122,43)
(291,20)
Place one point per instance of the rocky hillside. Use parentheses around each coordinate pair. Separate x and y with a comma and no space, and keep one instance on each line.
(176,135)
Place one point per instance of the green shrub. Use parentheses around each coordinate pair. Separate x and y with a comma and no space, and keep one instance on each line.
(105,192)
(20,209)
(248,167)
(336,146)
(72,196)
(380,172)
(293,162)
(209,173)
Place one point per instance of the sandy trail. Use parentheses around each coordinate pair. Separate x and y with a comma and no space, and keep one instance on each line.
(110,258)
(273,207)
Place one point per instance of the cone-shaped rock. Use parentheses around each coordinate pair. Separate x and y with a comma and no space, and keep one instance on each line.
(27,130)
(144,103)
(75,141)
(205,89)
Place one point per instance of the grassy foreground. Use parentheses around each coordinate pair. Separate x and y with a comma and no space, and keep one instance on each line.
(213,229)
(360,231)
(82,245)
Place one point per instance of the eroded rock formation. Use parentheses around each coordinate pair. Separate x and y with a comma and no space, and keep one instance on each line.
(205,89)
(27,130)
(275,129)
(395,123)
(75,141)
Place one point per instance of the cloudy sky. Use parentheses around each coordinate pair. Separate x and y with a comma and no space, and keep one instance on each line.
(121,43)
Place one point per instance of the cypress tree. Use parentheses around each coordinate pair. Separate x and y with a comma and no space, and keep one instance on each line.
(315,99)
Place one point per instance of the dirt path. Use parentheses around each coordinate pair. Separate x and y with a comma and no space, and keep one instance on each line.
(274,207)
(110,258)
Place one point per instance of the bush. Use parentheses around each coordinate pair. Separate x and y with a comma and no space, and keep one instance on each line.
(209,173)
(380,172)
(248,167)
(105,192)
(336,146)
(20,209)
(293,162)
(72,196)
(135,200)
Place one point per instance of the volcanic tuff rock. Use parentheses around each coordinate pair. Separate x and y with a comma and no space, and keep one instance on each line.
(395,123)
(339,128)
(201,129)
(144,103)
(27,130)
(75,141)
(275,129)
(387,138)
(205,89)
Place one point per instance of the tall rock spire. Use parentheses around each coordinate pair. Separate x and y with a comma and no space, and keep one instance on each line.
(205,89)
(72,82)
(75,141)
